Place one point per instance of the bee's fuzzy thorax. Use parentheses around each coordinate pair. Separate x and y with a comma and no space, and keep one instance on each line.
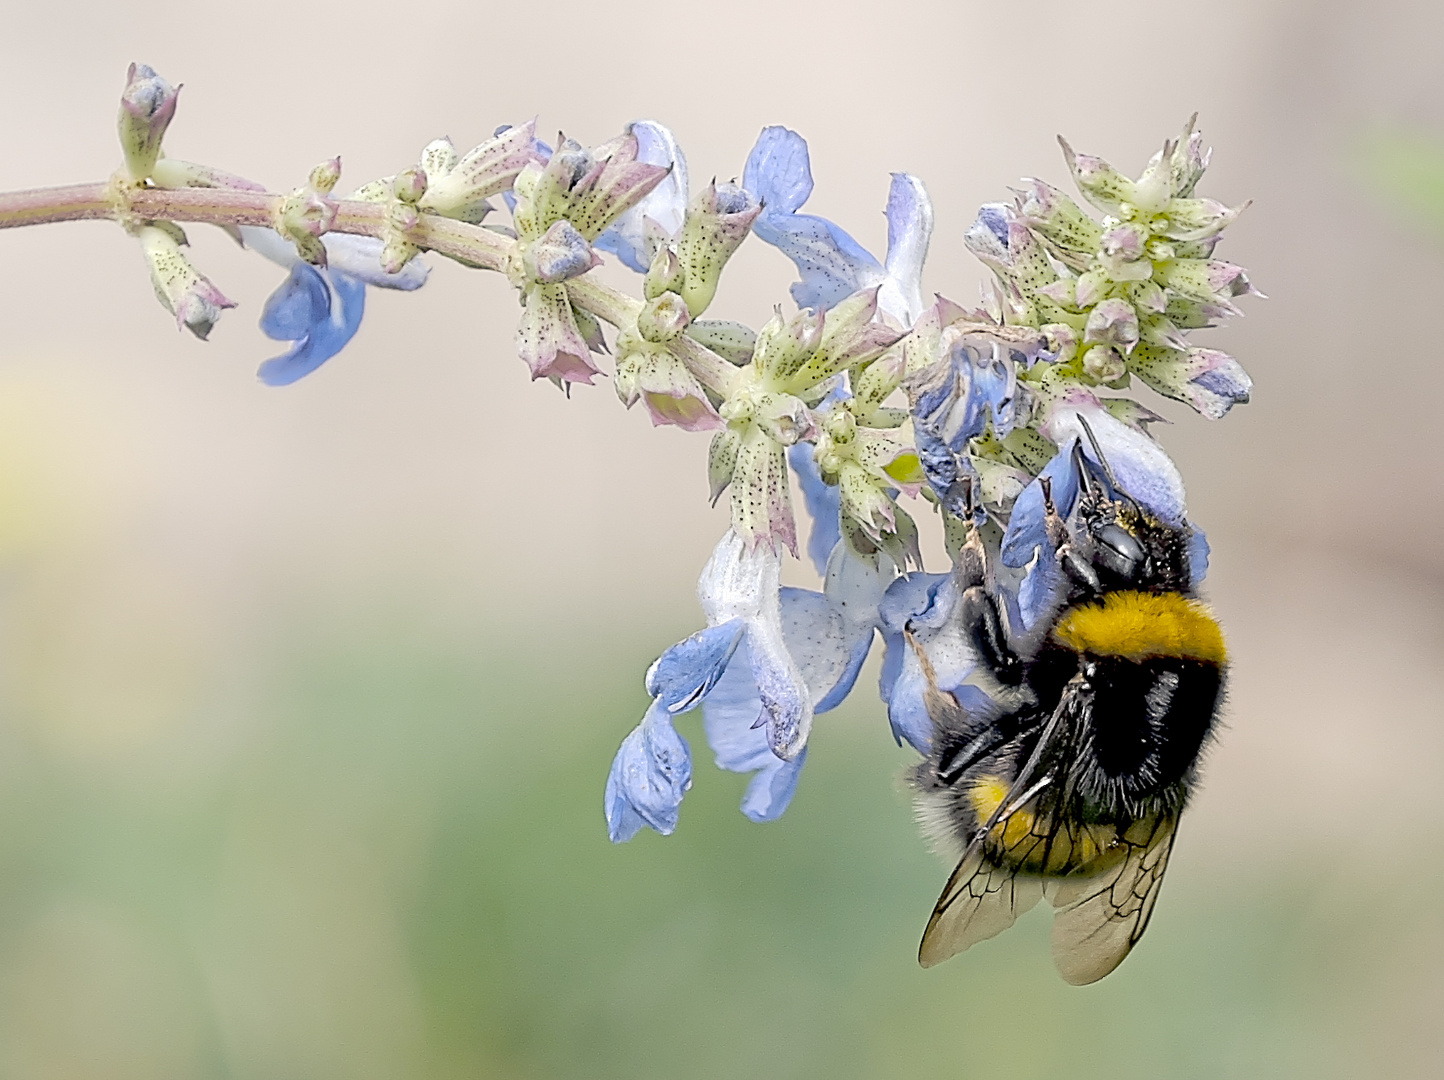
(1138,625)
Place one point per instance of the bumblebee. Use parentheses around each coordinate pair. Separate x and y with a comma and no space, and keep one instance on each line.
(1071,789)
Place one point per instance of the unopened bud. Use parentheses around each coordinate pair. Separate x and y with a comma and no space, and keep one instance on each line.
(718,220)
(325,176)
(560,253)
(664,275)
(664,318)
(409,185)
(146,107)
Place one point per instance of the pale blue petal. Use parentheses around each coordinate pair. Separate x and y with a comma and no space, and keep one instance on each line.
(831,263)
(778,170)
(294,310)
(823,502)
(729,714)
(326,336)
(909,228)
(360,257)
(1041,589)
(953,403)
(649,776)
(1026,532)
(827,650)
(772,788)
(908,596)
(1198,552)
(687,671)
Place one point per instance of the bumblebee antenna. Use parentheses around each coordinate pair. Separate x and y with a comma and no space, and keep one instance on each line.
(1098,450)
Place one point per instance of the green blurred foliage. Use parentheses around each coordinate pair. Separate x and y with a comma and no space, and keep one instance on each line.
(399,869)
(1407,168)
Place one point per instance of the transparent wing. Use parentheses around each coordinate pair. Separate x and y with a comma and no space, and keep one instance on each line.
(1100,917)
(985,895)
(981,900)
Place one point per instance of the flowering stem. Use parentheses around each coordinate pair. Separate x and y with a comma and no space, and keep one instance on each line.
(471,244)
(75,202)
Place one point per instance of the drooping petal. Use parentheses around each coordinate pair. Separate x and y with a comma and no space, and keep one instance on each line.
(688,671)
(302,301)
(729,713)
(626,237)
(822,502)
(649,776)
(1026,532)
(334,320)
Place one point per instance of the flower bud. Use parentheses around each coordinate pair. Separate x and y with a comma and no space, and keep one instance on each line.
(663,319)
(1058,219)
(184,291)
(664,275)
(409,185)
(1104,364)
(549,339)
(732,341)
(146,107)
(1112,322)
(659,378)
(1101,184)
(325,176)
(559,254)
(1210,381)
(460,187)
(783,347)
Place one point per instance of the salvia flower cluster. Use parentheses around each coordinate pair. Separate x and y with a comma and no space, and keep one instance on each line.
(878,405)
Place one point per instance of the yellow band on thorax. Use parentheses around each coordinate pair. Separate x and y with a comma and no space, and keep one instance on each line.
(1137,625)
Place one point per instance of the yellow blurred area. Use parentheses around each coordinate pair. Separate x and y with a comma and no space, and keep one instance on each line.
(307,696)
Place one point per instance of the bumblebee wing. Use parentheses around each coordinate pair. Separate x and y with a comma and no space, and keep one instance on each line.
(981,900)
(1100,917)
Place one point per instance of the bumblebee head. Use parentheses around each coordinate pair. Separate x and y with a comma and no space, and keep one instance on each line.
(1123,544)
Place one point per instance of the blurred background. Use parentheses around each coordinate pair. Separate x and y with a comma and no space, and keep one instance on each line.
(307,696)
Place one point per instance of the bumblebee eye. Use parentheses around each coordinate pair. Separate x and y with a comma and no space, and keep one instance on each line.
(1120,551)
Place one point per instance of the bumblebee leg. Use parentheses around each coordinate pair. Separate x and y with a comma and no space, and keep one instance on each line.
(1074,565)
(978,611)
(971,565)
(942,706)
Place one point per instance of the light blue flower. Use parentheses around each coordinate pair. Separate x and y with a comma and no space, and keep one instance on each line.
(769,660)
(965,379)
(832,264)
(823,503)
(320,309)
